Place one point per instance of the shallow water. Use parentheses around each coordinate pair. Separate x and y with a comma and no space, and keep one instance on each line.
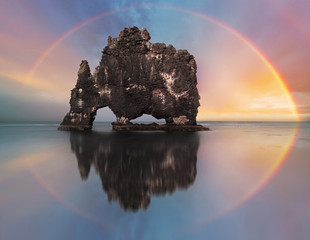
(238,181)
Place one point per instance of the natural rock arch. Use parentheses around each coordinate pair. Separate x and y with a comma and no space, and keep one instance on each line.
(136,77)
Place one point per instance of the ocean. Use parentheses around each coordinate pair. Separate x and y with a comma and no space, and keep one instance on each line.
(240,180)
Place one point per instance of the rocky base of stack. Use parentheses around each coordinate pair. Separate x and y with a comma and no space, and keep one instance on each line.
(158,127)
(74,127)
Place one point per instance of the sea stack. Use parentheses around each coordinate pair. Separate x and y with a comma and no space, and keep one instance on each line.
(137,77)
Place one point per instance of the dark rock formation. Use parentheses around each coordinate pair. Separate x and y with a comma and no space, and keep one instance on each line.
(136,77)
(135,165)
(158,127)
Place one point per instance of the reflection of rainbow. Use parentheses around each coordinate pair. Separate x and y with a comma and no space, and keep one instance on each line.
(174,8)
(259,186)
(32,163)
(29,162)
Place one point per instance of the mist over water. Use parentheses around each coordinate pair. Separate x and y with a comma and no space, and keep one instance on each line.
(241,180)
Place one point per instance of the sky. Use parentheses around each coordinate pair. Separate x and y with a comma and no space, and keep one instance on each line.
(253,56)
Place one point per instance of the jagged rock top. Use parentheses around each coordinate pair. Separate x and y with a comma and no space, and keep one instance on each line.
(136,77)
(128,38)
(132,41)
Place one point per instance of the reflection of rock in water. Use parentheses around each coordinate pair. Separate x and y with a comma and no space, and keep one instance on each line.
(132,166)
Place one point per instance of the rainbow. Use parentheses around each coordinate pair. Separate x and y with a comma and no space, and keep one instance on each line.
(237,34)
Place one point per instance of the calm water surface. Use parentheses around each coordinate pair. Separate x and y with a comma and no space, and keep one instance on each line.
(238,181)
